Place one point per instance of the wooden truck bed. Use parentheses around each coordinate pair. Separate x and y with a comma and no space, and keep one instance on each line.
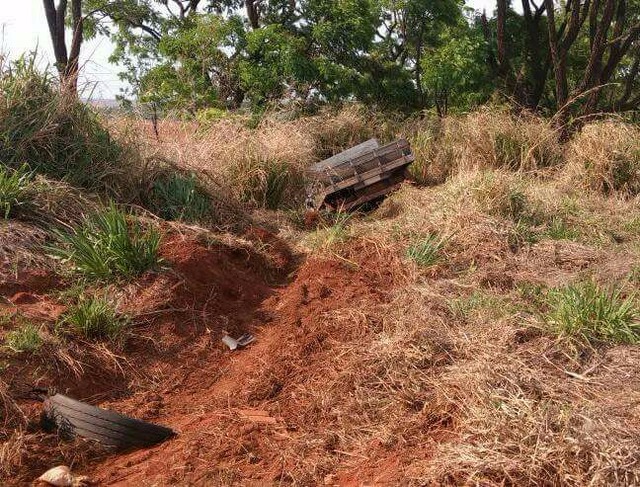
(363,173)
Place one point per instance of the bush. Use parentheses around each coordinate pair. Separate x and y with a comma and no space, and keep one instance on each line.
(107,245)
(178,197)
(13,189)
(588,313)
(24,339)
(426,252)
(94,318)
(56,135)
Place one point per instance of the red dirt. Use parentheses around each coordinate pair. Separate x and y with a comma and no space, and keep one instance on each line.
(235,413)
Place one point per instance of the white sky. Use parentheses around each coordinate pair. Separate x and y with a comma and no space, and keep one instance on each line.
(23,27)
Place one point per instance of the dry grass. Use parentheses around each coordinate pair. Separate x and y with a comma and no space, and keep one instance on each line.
(456,381)
(450,377)
(481,140)
(605,157)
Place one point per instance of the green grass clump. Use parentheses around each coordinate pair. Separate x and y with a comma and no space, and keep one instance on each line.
(559,230)
(94,318)
(14,184)
(107,245)
(426,252)
(589,313)
(178,197)
(331,235)
(26,338)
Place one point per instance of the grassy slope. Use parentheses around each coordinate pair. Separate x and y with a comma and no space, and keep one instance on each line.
(458,375)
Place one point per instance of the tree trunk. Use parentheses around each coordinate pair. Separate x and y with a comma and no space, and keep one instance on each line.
(67,61)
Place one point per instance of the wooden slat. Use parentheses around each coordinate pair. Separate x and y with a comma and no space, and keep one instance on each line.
(380,156)
(347,155)
(369,177)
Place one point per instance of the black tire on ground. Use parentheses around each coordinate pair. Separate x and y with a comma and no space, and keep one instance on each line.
(74,418)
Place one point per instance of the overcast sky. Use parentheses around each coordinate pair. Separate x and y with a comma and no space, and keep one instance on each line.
(23,28)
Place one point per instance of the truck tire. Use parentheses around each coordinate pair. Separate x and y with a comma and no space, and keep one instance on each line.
(74,418)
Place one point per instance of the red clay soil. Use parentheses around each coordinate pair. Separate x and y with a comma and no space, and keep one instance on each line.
(236,413)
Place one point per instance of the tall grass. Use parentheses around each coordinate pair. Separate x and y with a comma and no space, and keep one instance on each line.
(109,244)
(55,134)
(14,185)
(605,157)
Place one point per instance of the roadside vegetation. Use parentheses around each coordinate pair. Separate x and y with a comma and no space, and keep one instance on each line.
(109,244)
(484,329)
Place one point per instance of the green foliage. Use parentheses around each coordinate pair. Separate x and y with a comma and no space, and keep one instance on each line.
(26,338)
(94,317)
(456,67)
(275,59)
(426,252)
(198,71)
(178,197)
(54,134)
(107,245)
(13,189)
(589,313)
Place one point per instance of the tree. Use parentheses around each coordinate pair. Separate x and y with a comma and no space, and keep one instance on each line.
(612,29)
(575,59)
(67,60)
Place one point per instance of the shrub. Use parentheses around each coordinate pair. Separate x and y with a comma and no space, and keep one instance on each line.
(94,318)
(178,197)
(56,135)
(13,189)
(426,252)
(26,338)
(588,313)
(107,245)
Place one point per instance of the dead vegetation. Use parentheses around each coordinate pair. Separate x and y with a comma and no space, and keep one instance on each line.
(418,344)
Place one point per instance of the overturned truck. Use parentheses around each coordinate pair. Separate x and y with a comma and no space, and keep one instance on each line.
(359,175)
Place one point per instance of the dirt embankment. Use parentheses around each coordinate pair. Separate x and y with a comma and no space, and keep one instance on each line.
(235,412)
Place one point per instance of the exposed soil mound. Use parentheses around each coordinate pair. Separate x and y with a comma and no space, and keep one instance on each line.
(237,412)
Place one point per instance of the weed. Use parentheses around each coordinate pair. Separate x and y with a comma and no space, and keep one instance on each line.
(107,245)
(94,318)
(521,234)
(559,230)
(26,338)
(426,252)
(589,313)
(462,308)
(178,197)
(334,234)
(14,184)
